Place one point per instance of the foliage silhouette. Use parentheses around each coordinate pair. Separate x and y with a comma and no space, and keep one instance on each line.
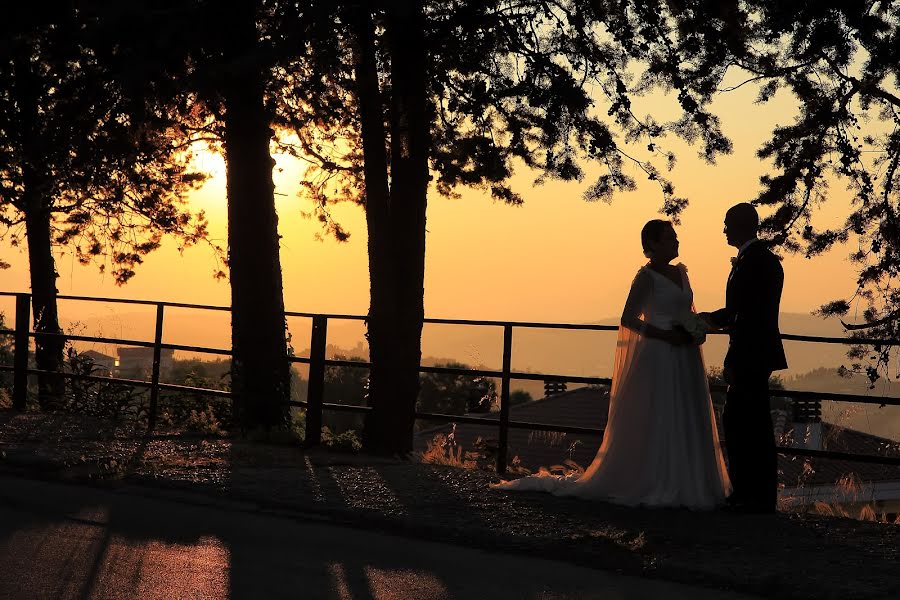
(465,91)
(840,61)
(85,164)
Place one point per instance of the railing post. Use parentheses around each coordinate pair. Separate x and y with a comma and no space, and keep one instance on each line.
(20,360)
(503,442)
(316,389)
(154,378)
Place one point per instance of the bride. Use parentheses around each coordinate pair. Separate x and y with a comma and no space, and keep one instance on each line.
(660,447)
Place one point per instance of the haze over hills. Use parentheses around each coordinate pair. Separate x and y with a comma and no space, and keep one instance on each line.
(580,353)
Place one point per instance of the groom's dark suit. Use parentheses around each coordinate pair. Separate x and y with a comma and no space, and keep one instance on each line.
(755,350)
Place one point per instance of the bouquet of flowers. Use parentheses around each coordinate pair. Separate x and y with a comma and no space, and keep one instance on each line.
(696,327)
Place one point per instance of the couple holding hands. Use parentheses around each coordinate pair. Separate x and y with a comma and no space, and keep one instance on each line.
(661,445)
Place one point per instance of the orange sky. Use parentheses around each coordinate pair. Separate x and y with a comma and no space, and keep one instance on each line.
(557,258)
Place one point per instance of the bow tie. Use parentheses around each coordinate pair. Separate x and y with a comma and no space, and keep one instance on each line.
(735,261)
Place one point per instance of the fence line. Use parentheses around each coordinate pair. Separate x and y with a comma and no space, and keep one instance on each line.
(317,362)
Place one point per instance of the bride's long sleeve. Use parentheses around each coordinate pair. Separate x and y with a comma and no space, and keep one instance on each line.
(636,303)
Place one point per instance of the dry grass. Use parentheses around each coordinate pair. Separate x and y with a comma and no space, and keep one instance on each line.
(848,501)
(548,438)
(515,467)
(568,468)
(443,450)
(204,421)
(866,512)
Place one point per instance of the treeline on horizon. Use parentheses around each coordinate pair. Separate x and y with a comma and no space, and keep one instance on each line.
(102,104)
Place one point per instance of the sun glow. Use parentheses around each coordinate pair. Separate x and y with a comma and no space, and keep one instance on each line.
(208,160)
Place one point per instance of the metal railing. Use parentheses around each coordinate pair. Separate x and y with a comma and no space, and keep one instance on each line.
(317,361)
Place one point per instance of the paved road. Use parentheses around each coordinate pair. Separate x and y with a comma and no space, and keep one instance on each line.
(62,541)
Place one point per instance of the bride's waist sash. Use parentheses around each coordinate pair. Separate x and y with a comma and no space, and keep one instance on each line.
(661,321)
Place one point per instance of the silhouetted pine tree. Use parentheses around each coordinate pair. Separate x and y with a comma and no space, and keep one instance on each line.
(216,76)
(84,161)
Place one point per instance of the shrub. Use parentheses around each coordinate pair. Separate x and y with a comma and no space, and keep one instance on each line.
(519,397)
(103,399)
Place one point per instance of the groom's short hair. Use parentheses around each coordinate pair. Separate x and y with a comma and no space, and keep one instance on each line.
(745,213)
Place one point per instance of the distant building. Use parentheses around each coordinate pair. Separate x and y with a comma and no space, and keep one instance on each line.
(137,363)
(805,481)
(102,364)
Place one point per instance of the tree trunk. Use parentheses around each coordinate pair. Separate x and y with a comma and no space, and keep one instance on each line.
(390,429)
(48,353)
(383,314)
(260,367)
(410,135)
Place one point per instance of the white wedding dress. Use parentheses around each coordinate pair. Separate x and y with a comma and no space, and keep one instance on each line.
(660,447)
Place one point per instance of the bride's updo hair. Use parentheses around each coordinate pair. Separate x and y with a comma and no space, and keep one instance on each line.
(652,232)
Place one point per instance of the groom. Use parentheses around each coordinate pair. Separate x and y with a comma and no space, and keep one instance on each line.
(751,318)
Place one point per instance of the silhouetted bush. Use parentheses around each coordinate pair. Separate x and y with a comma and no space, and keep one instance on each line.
(456,394)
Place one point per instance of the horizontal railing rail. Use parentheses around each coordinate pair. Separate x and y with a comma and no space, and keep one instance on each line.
(317,361)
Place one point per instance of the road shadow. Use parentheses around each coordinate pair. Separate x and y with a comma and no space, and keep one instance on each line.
(67,541)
